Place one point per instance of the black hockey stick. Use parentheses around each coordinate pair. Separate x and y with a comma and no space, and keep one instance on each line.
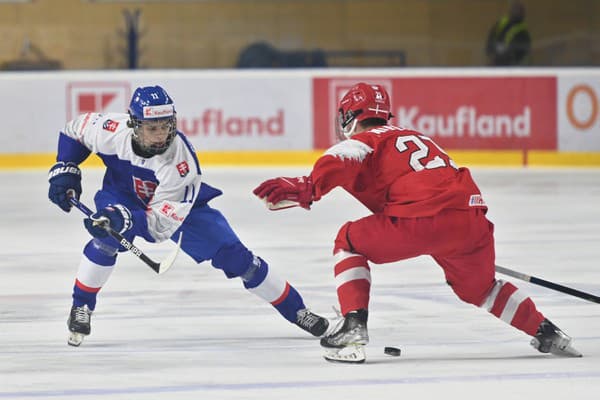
(548,284)
(159,268)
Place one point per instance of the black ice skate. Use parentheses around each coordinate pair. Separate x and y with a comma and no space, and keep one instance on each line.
(79,324)
(550,339)
(311,322)
(346,343)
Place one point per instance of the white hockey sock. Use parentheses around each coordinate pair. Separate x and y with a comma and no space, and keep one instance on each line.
(91,275)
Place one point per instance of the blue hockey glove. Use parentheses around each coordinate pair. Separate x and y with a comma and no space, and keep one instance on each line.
(116,216)
(65,182)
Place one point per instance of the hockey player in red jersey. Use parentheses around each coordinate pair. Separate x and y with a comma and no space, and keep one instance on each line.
(421,204)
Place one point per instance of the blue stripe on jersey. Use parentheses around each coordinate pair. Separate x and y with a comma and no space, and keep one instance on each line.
(191,150)
(136,183)
(70,149)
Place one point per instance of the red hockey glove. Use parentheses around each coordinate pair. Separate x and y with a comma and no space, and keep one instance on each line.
(281,193)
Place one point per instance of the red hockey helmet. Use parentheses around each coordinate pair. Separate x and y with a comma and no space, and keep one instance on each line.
(362,101)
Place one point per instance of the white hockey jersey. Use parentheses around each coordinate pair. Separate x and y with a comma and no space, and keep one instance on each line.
(163,187)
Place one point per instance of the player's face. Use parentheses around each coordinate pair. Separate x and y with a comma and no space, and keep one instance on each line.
(155,133)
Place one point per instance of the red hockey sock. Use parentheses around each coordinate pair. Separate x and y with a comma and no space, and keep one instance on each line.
(353,281)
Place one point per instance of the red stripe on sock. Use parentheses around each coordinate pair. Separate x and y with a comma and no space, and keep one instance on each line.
(500,302)
(351,262)
(86,288)
(281,298)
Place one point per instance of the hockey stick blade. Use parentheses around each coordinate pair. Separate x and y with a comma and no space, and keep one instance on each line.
(548,284)
(159,268)
(281,205)
(170,260)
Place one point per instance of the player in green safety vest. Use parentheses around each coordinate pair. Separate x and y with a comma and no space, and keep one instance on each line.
(509,42)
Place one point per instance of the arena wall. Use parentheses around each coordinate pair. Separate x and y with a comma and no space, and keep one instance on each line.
(509,117)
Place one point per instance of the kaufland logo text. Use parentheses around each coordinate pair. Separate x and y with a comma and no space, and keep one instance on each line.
(466,121)
(84,97)
(158,111)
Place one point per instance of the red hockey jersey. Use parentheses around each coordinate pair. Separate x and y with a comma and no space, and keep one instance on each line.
(396,171)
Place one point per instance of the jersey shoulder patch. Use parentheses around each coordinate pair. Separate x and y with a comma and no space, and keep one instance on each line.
(110,125)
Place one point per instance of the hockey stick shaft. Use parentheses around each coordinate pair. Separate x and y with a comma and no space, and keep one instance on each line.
(119,238)
(548,284)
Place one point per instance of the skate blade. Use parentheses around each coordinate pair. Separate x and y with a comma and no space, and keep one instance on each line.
(75,339)
(566,351)
(353,354)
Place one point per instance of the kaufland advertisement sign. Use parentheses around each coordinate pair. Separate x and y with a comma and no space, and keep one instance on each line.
(550,112)
(217,114)
(295,110)
(230,111)
(459,112)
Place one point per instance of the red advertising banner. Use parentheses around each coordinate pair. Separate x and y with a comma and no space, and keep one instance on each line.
(466,113)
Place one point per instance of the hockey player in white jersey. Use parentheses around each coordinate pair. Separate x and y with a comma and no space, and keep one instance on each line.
(153,189)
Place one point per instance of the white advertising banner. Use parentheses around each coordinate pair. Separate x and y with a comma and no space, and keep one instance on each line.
(217,111)
(32,112)
(271,110)
(579,112)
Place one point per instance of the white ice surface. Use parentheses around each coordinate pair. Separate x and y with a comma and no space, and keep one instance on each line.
(193,334)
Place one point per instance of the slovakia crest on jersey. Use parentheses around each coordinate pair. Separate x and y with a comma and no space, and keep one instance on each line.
(183,168)
(144,189)
(110,125)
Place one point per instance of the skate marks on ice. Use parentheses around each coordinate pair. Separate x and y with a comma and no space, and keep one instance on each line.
(193,334)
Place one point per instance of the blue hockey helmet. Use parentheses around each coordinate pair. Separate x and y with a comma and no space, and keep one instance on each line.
(153,119)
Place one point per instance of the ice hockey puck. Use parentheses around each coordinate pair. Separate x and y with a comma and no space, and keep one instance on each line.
(392,351)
